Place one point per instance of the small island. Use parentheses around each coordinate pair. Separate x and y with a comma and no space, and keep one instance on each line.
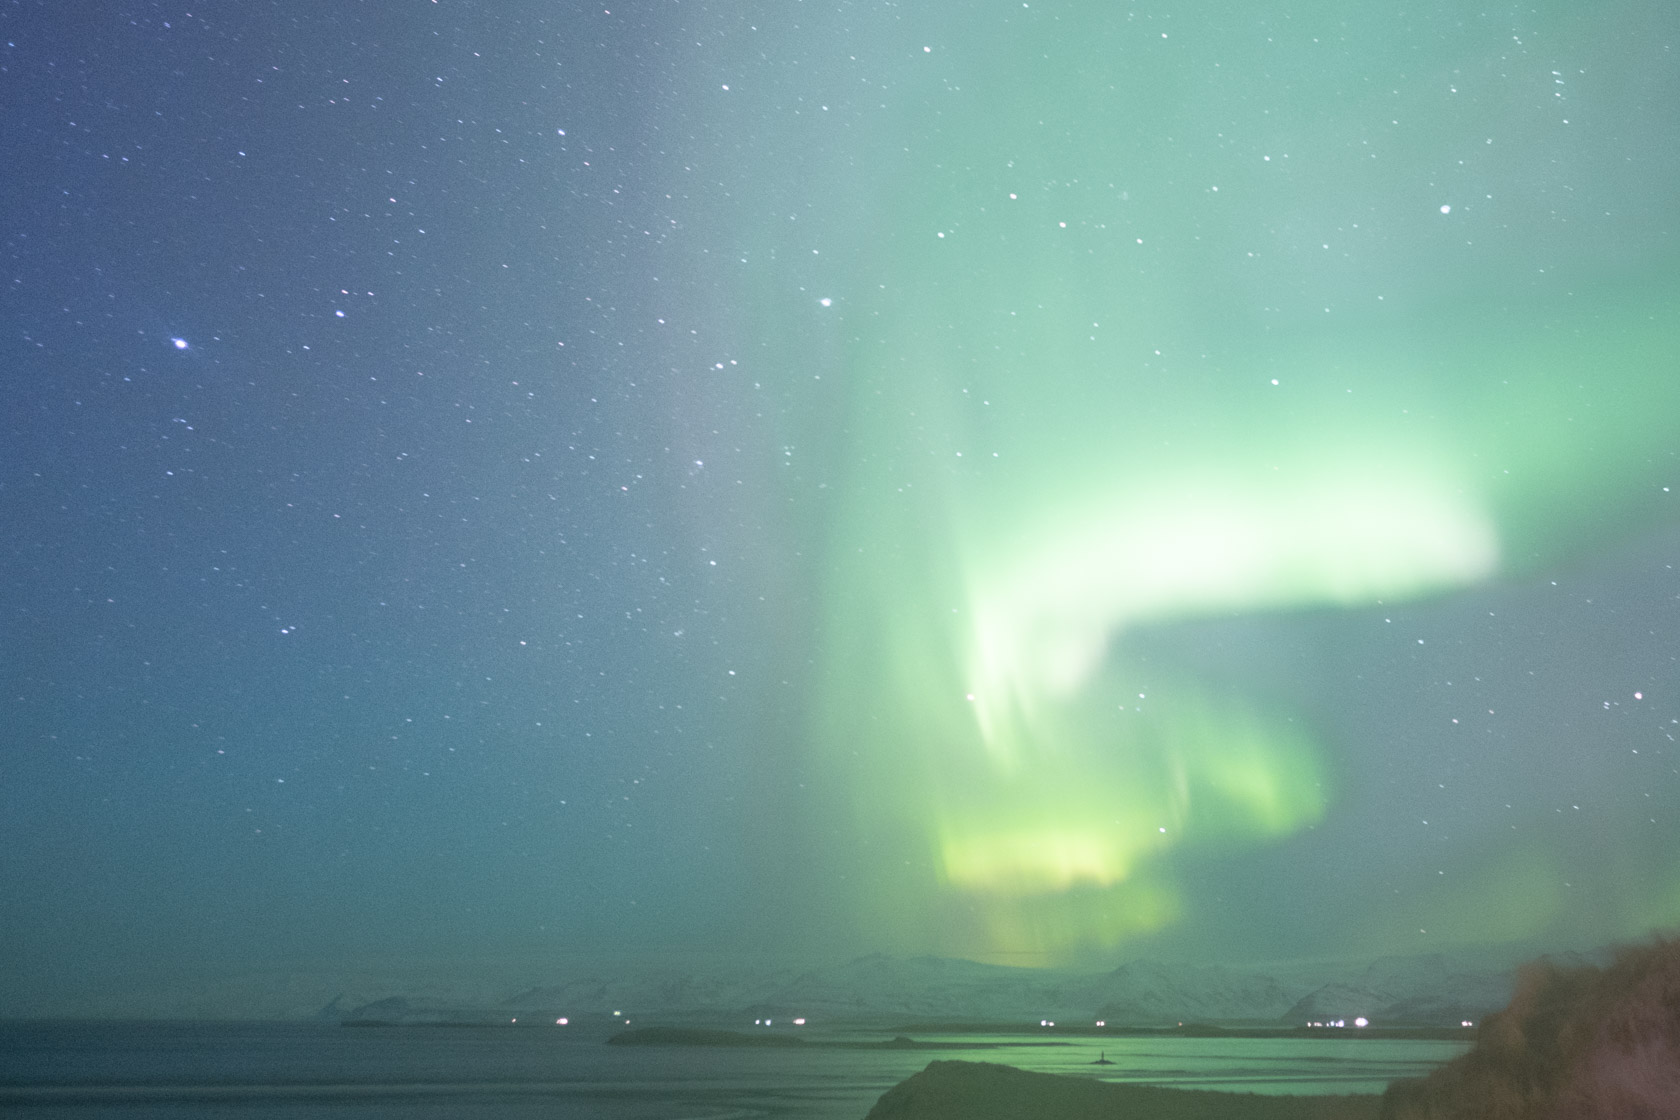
(697,1036)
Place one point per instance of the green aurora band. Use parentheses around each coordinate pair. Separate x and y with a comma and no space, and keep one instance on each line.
(1086,382)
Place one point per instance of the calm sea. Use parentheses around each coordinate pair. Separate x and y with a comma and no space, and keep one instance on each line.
(78,1071)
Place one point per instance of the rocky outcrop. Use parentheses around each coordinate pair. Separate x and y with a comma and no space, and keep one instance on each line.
(1576,1043)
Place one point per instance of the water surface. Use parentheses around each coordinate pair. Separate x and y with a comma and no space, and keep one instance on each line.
(79,1071)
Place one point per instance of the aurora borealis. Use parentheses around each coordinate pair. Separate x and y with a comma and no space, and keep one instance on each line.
(1093,383)
(1055,767)
(1042,483)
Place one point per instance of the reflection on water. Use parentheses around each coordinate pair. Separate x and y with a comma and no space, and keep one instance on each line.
(1328,1063)
(81,1071)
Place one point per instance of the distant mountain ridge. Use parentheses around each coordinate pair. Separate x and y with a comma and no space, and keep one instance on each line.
(1432,990)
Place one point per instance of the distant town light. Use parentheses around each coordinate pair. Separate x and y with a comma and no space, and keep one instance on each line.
(562,1021)
(799,1022)
(1362,1022)
(1102,1022)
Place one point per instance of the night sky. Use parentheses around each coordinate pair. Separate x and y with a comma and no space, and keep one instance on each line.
(1045,483)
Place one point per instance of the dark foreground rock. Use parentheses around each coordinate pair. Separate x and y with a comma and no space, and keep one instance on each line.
(1576,1043)
(984,1091)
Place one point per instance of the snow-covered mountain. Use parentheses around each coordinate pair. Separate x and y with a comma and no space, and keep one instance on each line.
(1339,1001)
(664,989)
(1432,990)
(1154,993)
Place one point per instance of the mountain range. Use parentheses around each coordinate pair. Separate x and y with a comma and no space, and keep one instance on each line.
(1428,990)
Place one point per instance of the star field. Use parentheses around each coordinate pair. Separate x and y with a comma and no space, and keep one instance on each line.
(1035,483)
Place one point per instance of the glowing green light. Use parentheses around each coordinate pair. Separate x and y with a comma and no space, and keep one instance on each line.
(1046,612)
(1049,431)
